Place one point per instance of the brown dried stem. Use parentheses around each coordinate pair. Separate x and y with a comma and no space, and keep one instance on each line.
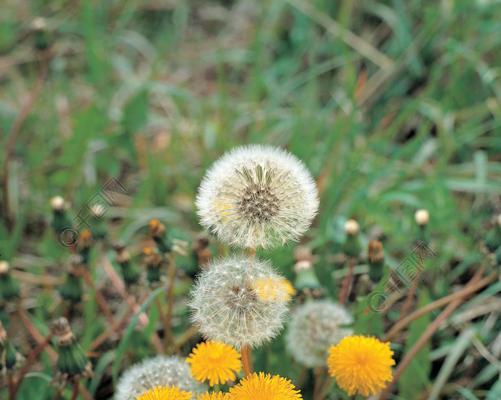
(347,281)
(427,334)
(470,288)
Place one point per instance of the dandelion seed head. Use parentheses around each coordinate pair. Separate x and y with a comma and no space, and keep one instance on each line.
(158,371)
(227,308)
(313,328)
(257,196)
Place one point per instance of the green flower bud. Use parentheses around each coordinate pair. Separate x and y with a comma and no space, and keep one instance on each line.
(72,361)
(9,288)
(153,261)
(72,289)
(351,246)
(130,273)
(376,260)
(60,221)
(8,353)
(493,237)
(157,232)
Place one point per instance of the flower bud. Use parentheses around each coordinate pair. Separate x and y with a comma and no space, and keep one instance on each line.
(60,221)
(72,290)
(351,246)
(9,288)
(8,354)
(422,217)
(157,232)
(72,361)
(84,244)
(493,237)
(130,273)
(376,260)
(153,261)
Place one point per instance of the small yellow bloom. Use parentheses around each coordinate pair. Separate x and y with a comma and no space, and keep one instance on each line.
(361,364)
(213,396)
(165,393)
(264,387)
(214,361)
(273,289)
(224,210)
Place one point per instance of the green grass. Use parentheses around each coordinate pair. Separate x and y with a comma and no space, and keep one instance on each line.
(393,106)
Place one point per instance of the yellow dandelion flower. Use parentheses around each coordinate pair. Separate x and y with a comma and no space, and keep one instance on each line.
(264,387)
(274,289)
(165,393)
(361,364)
(213,396)
(214,361)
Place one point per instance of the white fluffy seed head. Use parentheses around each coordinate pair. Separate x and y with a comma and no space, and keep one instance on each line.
(422,217)
(157,371)
(227,307)
(313,328)
(257,196)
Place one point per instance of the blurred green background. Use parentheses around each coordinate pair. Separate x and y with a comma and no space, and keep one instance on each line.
(393,105)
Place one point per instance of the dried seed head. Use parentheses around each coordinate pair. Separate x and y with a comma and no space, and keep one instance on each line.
(313,328)
(228,308)
(157,371)
(422,217)
(257,196)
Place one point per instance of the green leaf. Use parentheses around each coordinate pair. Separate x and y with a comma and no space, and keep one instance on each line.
(416,377)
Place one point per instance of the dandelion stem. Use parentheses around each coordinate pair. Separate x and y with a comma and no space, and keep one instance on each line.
(251,253)
(11,385)
(34,333)
(28,363)
(100,300)
(74,393)
(171,277)
(245,351)
(347,281)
